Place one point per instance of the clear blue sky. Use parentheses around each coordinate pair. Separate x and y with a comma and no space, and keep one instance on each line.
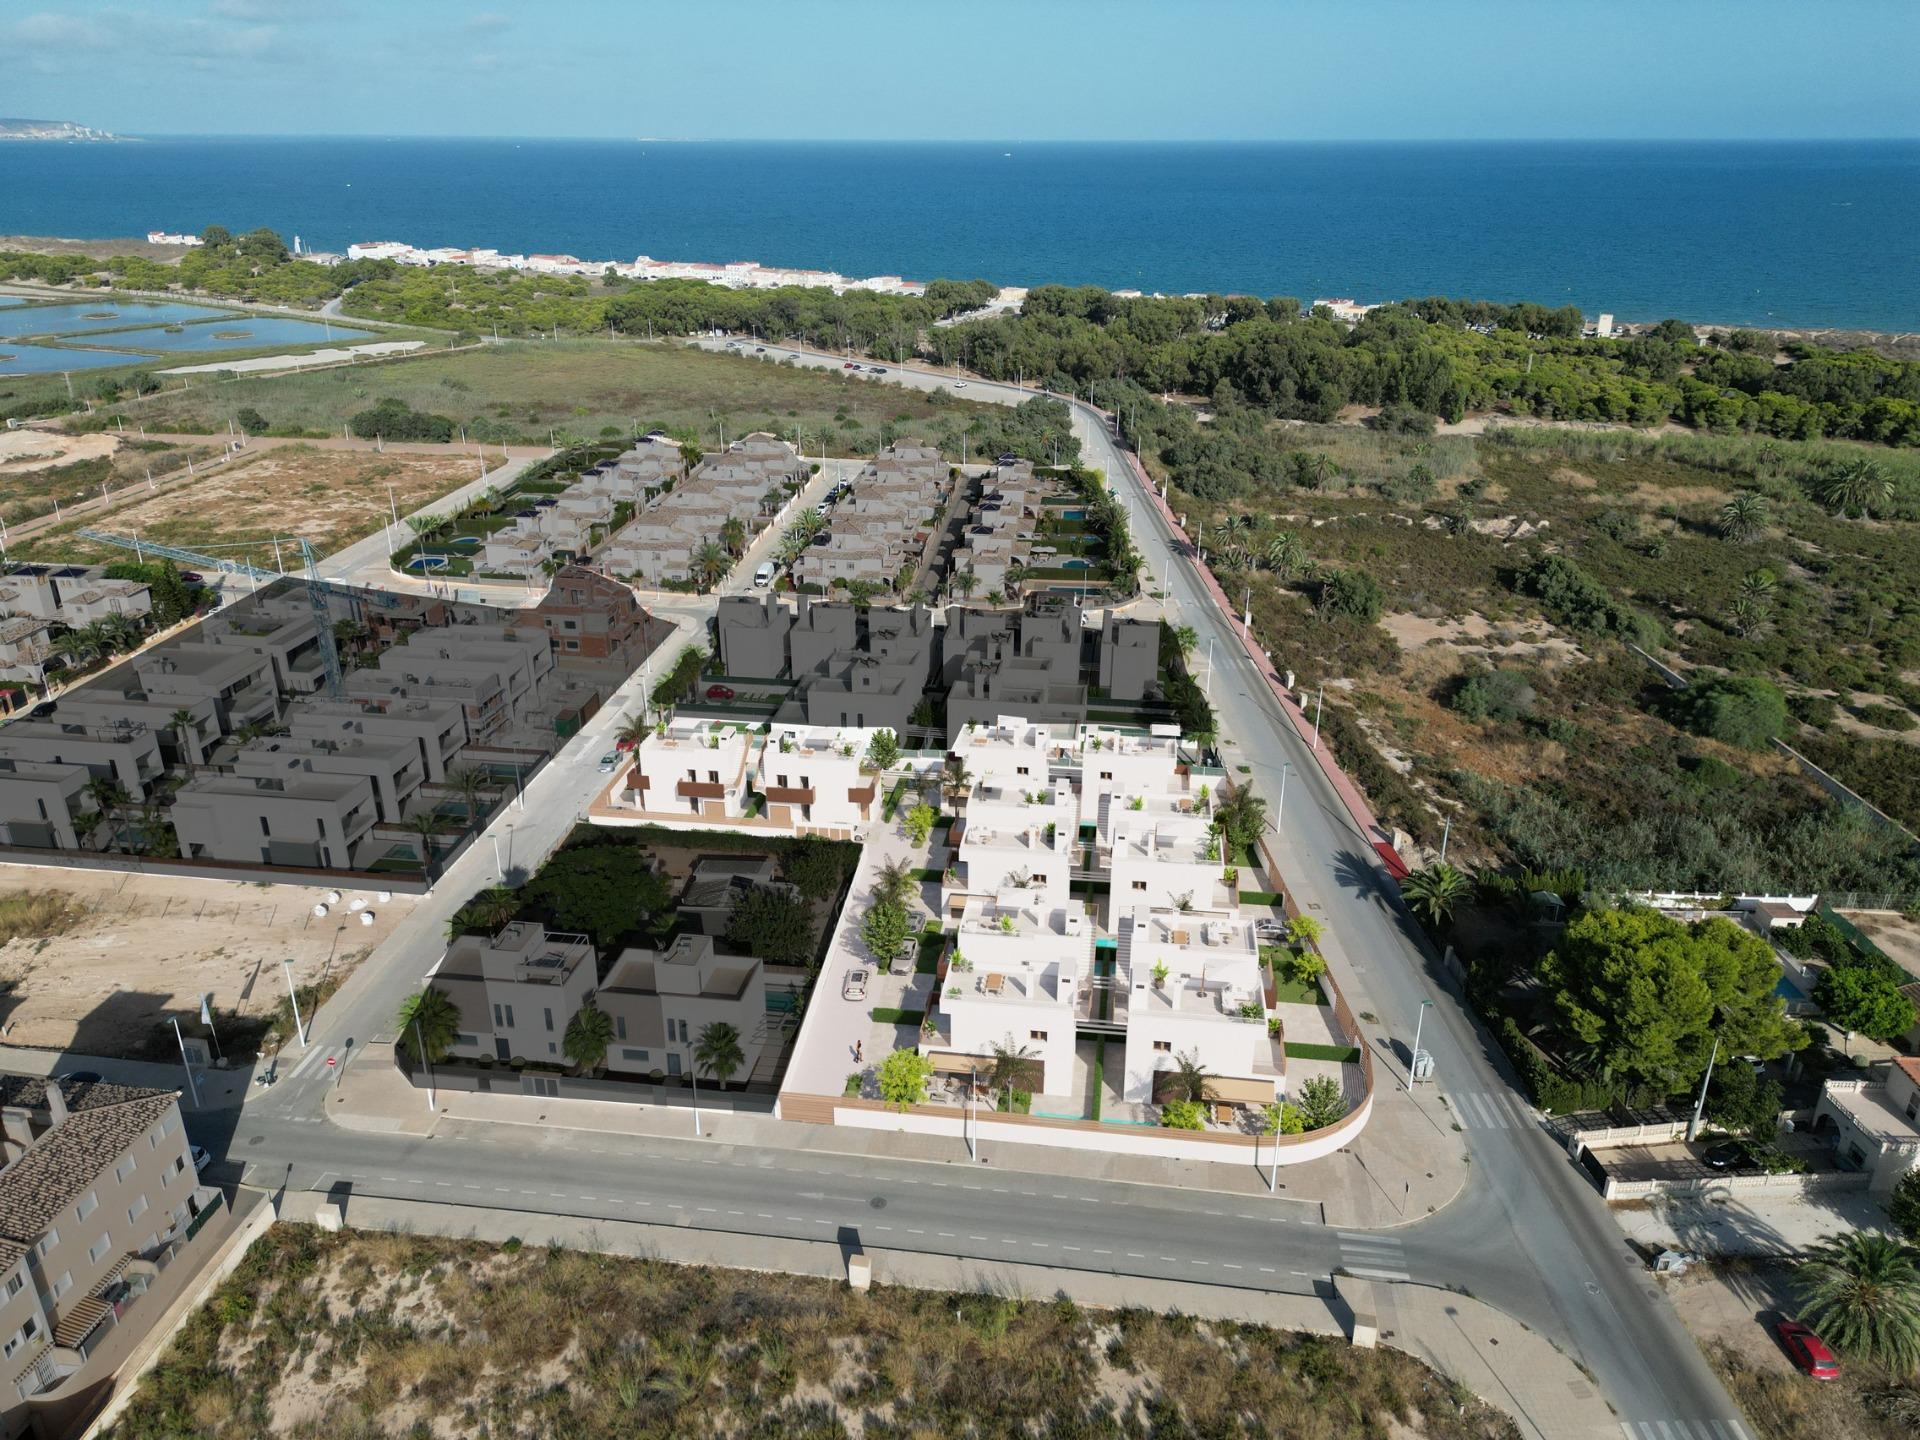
(971,69)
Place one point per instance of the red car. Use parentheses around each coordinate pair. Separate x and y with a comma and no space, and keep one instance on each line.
(849,366)
(1807,1350)
(719,692)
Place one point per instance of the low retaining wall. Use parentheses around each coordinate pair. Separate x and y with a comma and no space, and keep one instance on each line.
(400,882)
(1737,1186)
(952,1122)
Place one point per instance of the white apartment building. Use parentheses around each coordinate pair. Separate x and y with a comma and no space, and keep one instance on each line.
(516,990)
(1017,835)
(1009,750)
(1162,853)
(812,778)
(1191,984)
(662,1001)
(300,818)
(1116,766)
(1015,980)
(692,769)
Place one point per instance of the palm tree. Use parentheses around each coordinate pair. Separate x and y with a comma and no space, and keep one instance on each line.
(587,1037)
(424,827)
(1758,583)
(718,1051)
(495,905)
(1313,469)
(1012,1063)
(733,535)
(109,795)
(1189,1079)
(1749,614)
(186,735)
(469,782)
(1853,487)
(428,1020)
(1743,517)
(893,882)
(710,564)
(1862,1293)
(1184,638)
(956,781)
(963,583)
(633,729)
(1286,556)
(1433,893)
(1240,814)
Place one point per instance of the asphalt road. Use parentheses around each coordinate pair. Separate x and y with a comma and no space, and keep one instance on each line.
(1529,1235)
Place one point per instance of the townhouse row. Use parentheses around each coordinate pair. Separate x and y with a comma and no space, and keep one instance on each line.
(571,524)
(39,603)
(741,488)
(868,667)
(225,733)
(882,521)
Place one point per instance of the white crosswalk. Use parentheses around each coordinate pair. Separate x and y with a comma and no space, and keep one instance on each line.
(1684,1430)
(1489,1110)
(1373,1257)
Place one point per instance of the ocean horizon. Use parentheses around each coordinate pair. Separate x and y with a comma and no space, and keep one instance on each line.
(1751,232)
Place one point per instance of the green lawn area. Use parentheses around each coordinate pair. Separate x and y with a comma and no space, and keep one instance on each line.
(1346,1054)
(518,390)
(888,1015)
(1289,991)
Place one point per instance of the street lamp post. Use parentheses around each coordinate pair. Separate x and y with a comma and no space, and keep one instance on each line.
(299,1025)
(1413,1060)
(420,1048)
(1700,1105)
(192,1085)
(694,1075)
(973,1114)
(1280,810)
(1318,706)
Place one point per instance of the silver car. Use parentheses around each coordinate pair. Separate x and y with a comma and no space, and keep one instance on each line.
(854,987)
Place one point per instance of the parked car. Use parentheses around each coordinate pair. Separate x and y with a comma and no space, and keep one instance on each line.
(959,384)
(608,761)
(201,1159)
(620,747)
(849,366)
(193,577)
(878,369)
(1807,1350)
(759,349)
(43,709)
(854,987)
(78,1077)
(1727,1155)
(1269,932)
(719,692)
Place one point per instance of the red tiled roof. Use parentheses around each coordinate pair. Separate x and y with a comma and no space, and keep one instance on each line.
(1909,1066)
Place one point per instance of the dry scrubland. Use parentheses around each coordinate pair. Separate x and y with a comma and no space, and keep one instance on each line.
(1587,770)
(332,497)
(92,963)
(344,1336)
(38,467)
(586,389)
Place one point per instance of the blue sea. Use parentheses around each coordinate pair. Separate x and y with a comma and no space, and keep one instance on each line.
(1750,233)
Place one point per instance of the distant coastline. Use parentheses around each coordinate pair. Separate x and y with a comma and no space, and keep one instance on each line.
(1777,236)
(52,130)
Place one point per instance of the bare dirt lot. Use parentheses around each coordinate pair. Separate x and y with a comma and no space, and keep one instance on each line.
(331,497)
(148,947)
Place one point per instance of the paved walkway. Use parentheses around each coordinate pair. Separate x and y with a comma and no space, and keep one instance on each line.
(1500,1360)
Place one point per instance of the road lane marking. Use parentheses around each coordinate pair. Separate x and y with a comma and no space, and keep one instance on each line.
(1366,1274)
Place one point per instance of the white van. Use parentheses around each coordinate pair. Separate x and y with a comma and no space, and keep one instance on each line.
(763,577)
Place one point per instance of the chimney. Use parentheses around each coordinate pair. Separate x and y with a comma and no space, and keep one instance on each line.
(56,1104)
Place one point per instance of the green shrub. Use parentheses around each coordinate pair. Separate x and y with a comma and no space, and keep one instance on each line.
(1741,710)
(1493,695)
(1183,1115)
(1885,717)
(1815,710)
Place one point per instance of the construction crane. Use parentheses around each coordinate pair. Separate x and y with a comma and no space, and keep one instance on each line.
(316,587)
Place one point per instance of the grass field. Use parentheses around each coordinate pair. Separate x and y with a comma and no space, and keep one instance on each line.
(332,497)
(583,389)
(331,1335)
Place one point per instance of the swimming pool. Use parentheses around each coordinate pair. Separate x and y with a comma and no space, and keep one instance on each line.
(421,564)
